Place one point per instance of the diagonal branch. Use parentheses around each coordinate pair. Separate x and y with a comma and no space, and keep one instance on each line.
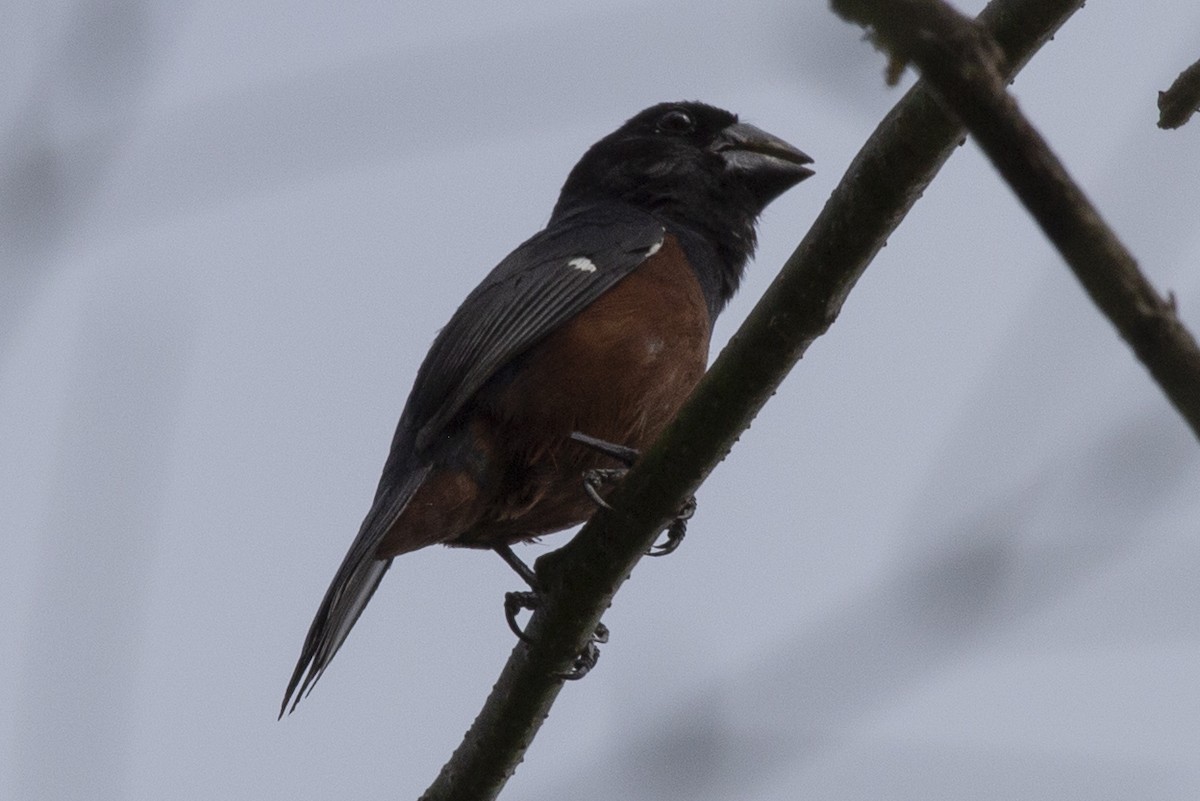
(882,184)
(963,64)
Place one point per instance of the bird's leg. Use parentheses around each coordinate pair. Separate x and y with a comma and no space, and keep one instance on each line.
(520,568)
(622,453)
(597,477)
(515,602)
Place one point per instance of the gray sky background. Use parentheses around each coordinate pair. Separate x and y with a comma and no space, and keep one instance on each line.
(956,556)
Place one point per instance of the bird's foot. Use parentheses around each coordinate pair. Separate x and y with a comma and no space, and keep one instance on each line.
(599,477)
(596,478)
(676,531)
(514,604)
(585,660)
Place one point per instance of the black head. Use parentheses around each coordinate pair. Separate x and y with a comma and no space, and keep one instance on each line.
(693,165)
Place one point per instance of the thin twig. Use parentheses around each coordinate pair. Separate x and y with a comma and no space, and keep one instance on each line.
(1177,105)
(882,184)
(963,63)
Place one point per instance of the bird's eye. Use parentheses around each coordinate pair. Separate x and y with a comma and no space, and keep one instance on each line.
(676,121)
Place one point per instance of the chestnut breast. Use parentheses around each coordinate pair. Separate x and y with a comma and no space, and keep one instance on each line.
(618,371)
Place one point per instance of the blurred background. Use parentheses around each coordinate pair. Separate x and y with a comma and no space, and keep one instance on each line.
(955,557)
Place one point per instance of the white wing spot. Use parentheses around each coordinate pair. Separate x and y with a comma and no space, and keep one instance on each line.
(654,248)
(583,264)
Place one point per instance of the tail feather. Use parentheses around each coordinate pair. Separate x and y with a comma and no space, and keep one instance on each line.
(351,589)
(344,601)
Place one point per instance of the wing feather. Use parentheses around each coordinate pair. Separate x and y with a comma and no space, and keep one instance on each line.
(528,295)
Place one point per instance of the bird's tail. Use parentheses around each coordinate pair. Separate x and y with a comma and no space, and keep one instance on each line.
(351,589)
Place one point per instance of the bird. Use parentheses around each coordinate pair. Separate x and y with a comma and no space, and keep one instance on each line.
(594,330)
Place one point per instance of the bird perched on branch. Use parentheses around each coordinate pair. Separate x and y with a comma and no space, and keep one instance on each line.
(597,325)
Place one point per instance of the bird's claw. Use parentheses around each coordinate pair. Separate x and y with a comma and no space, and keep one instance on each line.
(598,477)
(585,660)
(676,531)
(514,604)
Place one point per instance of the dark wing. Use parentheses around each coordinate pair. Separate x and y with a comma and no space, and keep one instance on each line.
(538,287)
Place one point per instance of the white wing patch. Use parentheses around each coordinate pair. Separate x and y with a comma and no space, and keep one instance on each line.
(654,248)
(583,264)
